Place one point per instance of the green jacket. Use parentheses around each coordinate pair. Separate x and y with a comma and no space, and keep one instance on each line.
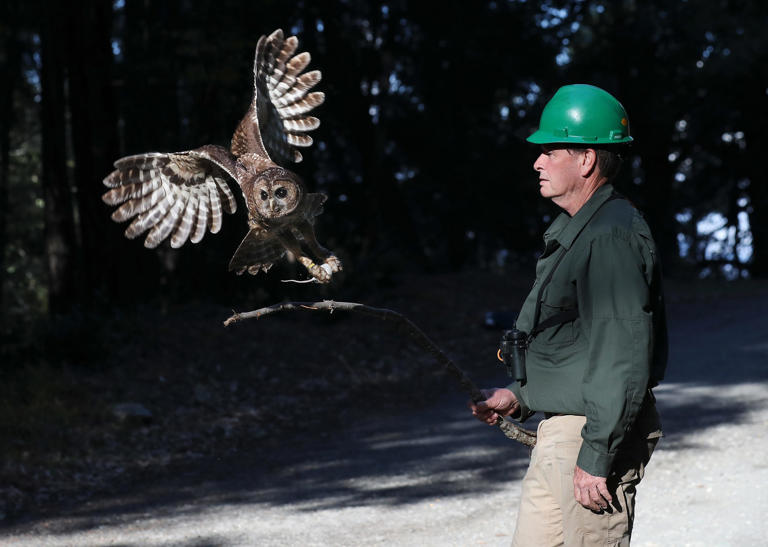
(601,364)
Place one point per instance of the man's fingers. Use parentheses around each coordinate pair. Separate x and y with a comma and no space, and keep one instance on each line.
(489,416)
(602,489)
(479,409)
(482,412)
(596,499)
(588,498)
(592,497)
(496,404)
(591,491)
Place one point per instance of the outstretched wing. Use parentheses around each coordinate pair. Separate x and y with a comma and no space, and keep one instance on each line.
(277,121)
(181,194)
(257,252)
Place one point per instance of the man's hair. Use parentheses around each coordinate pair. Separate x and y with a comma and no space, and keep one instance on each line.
(609,162)
(609,159)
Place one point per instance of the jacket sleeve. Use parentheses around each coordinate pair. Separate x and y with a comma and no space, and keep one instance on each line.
(615,316)
(525,411)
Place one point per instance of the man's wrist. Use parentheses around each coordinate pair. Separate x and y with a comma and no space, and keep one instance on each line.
(597,464)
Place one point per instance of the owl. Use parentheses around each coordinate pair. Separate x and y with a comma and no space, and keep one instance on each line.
(181,195)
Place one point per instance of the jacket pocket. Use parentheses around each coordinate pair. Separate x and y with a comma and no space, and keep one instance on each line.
(557,298)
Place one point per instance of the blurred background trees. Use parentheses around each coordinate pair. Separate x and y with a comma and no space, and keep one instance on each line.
(421,147)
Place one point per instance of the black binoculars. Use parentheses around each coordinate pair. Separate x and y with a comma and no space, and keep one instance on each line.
(514,344)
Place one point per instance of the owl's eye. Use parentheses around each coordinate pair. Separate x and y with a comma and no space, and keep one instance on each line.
(281,192)
(264,195)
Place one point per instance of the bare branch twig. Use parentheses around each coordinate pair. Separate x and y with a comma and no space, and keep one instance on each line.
(509,429)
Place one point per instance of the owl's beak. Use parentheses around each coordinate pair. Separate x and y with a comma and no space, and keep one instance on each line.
(272,205)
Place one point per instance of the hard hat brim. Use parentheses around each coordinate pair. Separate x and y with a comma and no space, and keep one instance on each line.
(546,137)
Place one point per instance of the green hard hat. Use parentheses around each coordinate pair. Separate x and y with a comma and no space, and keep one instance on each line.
(582,114)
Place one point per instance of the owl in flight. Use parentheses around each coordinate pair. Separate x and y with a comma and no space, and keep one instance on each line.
(181,195)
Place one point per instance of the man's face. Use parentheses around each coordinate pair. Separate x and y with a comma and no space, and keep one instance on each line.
(559,173)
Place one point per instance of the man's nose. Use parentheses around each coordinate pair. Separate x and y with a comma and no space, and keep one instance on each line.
(537,165)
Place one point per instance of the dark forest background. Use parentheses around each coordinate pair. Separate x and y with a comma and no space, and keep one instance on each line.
(421,148)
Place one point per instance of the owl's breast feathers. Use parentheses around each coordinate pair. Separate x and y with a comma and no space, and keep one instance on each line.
(261,247)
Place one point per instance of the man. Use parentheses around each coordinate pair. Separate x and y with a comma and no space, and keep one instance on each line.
(599,336)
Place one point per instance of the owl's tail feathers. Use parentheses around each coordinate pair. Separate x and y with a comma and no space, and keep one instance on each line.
(258,251)
(253,270)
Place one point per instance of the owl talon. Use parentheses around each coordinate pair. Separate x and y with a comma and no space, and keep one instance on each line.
(334,263)
(322,273)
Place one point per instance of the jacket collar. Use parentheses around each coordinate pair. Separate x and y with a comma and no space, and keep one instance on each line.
(565,228)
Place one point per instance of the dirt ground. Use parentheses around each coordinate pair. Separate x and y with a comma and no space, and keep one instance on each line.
(280,455)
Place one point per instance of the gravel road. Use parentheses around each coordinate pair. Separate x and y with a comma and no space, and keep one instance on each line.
(437,477)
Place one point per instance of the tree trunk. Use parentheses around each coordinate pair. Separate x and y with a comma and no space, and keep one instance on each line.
(60,241)
(389,232)
(94,139)
(148,107)
(757,141)
(9,72)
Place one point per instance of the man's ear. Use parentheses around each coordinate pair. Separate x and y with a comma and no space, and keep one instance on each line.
(588,162)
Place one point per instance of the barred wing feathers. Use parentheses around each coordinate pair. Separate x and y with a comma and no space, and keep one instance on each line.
(277,121)
(180,194)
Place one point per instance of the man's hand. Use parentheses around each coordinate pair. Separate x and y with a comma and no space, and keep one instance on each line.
(591,491)
(498,402)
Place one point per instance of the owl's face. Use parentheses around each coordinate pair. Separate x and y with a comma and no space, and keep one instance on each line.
(276,193)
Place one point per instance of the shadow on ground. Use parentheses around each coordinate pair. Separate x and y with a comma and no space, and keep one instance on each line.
(718,359)
(396,460)
(434,449)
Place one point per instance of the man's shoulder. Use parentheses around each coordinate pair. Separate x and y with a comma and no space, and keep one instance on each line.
(620,218)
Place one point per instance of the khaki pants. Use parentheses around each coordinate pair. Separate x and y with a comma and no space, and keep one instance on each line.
(549,514)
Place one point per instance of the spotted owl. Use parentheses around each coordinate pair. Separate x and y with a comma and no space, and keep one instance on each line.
(181,195)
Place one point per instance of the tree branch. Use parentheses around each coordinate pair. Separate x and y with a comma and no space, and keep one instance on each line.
(509,429)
